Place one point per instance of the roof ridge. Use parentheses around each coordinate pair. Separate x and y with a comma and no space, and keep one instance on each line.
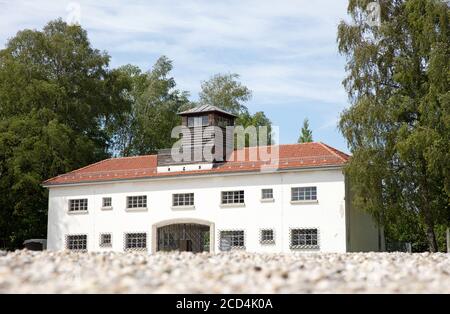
(333,151)
(290,144)
(130,157)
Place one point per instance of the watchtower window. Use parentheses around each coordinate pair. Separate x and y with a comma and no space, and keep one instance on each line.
(223,122)
(198,121)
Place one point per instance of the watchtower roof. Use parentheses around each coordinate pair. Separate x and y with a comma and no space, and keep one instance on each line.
(205,108)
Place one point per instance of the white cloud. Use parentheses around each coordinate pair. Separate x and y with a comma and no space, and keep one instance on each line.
(284,50)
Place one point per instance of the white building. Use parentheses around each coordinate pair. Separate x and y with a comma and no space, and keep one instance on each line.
(152,203)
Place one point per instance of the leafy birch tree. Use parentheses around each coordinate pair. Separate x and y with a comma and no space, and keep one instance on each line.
(398,124)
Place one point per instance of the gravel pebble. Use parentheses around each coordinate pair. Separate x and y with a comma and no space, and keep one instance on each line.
(25,271)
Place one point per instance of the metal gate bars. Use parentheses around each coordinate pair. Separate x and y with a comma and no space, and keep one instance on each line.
(183,237)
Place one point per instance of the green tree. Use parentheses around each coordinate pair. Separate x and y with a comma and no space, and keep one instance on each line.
(226,92)
(155,104)
(59,102)
(306,133)
(398,124)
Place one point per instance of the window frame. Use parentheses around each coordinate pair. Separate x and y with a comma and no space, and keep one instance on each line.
(78,202)
(102,243)
(237,240)
(84,242)
(267,199)
(183,200)
(197,121)
(262,236)
(232,198)
(138,204)
(305,245)
(304,194)
(103,202)
(136,241)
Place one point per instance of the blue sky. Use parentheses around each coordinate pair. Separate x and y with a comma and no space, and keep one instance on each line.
(285,51)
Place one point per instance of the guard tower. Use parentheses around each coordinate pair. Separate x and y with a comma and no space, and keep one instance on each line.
(197,120)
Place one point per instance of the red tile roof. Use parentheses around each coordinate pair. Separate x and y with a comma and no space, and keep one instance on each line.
(291,156)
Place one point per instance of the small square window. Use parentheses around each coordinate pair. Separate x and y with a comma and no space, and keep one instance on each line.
(267,194)
(105,240)
(267,236)
(107,202)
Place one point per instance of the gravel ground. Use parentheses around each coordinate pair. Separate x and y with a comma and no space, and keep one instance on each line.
(239,272)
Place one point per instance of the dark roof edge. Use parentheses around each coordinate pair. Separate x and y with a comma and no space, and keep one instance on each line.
(207,108)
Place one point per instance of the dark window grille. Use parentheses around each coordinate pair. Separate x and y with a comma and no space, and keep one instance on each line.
(233,238)
(267,236)
(77,242)
(105,240)
(304,238)
(135,241)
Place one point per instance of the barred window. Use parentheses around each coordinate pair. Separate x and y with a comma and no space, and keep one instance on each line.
(231,239)
(76,242)
(308,193)
(135,241)
(77,205)
(183,199)
(233,197)
(137,201)
(105,240)
(107,202)
(266,194)
(267,236)
(304,238)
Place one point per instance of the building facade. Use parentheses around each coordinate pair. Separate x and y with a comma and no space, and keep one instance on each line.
(140,203)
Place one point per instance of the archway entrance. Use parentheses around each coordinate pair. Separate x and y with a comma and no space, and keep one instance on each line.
(184,235)
(184,238)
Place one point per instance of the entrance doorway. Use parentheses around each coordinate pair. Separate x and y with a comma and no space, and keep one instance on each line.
(184,237)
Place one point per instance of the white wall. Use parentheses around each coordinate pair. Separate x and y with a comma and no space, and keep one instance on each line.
(328,214)
(364,235)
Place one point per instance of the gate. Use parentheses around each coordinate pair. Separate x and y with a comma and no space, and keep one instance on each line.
(188,237)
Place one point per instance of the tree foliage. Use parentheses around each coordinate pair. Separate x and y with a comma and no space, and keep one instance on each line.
(155,104)
(398,125)
(62,107)
(226,92)
(58,103)
(305,133)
